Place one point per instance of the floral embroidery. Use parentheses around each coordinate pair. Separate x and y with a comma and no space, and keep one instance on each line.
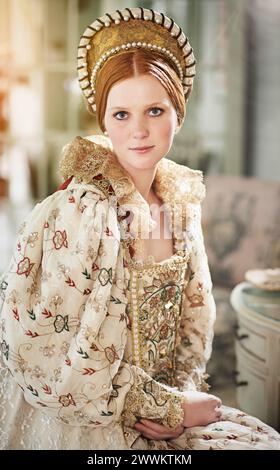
(147,398)
(33,237)
(74,303)
(37,373)
(111,354)
(196,300)
(57,376)
(56,300)
(60,239)
(97,387)
(105,276)
(156,294)
(61,323)
(66,400)
(24,267)
(48,351)
(64,348)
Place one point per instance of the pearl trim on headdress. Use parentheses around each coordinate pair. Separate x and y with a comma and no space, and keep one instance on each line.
(88,83)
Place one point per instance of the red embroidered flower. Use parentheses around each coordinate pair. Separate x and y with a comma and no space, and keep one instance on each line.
(60,239)
(25,266)
(111,354)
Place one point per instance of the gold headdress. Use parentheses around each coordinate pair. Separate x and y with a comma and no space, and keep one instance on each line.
(129,29)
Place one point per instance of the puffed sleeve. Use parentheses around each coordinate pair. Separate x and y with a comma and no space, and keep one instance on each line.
(63,318)
(198,311)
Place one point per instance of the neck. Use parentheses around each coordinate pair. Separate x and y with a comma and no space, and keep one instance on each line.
(143,181)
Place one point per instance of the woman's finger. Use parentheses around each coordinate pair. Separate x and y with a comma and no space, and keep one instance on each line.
(159,428)
(155,437)
(149,436)
(152,434)
(154,426)
(147,430)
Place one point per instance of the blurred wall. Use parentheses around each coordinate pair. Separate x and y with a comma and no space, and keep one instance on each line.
(263,115)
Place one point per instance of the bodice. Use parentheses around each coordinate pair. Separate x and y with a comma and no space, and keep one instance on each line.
(155,291)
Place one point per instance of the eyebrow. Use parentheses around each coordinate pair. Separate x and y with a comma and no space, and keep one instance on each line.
(147,106)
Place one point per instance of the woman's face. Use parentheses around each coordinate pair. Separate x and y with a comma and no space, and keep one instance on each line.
(139,113)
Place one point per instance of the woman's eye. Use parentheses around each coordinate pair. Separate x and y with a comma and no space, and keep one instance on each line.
(120,114)
(158,109)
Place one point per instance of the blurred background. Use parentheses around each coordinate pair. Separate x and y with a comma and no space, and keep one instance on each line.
(231,132)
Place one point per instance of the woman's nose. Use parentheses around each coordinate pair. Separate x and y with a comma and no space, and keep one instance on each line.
(139,128)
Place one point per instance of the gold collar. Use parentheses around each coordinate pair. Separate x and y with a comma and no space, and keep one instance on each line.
(176,185)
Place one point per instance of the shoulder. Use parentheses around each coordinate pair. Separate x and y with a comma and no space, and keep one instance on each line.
(180,182)
(84,158)
(92,161)
(77,204)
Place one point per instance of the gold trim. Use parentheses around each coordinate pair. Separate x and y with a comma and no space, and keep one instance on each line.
(91,160)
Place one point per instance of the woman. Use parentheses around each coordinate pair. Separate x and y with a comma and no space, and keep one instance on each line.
(107,317)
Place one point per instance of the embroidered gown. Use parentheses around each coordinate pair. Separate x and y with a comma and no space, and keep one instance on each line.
(91,338)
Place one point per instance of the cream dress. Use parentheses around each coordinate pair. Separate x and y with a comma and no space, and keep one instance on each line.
(90,338)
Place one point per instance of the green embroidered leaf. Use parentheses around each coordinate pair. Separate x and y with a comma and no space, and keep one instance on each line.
(31,314)
(86,274)
(115,300)
(33,390)
(164,295)
(116,386)
(109,413)
(83,353)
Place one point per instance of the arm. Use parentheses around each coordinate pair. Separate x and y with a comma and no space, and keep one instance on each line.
(64,317)
(198,312)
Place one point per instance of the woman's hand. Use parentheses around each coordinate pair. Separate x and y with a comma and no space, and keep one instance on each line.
(201,409)
(155,431)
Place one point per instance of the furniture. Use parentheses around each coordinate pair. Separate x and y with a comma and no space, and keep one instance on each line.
(257,346)
(241,226)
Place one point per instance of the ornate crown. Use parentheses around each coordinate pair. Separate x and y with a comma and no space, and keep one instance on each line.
(128,29)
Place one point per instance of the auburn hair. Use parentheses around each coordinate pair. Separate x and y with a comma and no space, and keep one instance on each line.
(136,63)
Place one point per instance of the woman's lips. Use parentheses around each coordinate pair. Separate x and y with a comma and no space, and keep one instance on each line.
(143,149)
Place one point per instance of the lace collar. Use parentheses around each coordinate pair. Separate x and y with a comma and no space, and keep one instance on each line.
(176,185)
